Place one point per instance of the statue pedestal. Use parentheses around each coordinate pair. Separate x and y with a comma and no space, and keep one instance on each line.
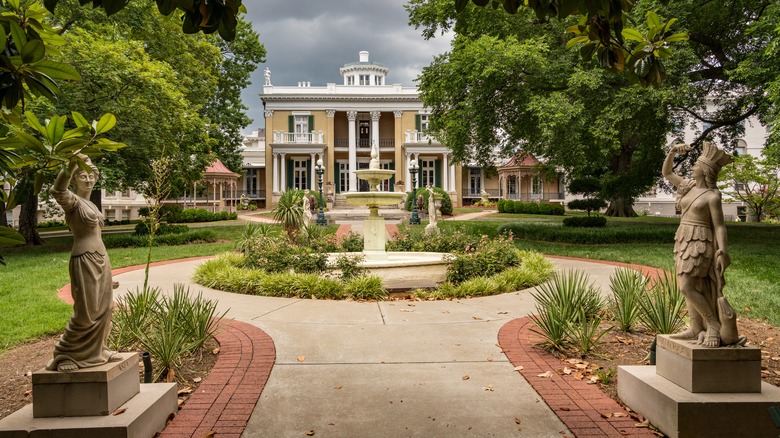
(81,403)
(374,238)
(696,391)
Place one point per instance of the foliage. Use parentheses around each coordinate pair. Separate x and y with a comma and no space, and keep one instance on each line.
(289,212)
(165,211)
(566,300)
(585,333)
(439,193)
(411,238)
(197,15)
(251,232)
(588,186)
(628,286)
(585,221)
(350,265)
(661,308)
(756,182)
(53,223)
(273,254)
(352,242)
(543,208)
(142,229)
(168,327)
(366,287)
(613,234)
(200,215)
(486,258)
(133,241)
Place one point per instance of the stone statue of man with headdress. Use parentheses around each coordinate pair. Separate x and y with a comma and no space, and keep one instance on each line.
(701,248)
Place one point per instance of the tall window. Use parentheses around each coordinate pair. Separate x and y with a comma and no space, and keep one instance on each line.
(377,80)
(427,173)
(251,181)
(511,188)
(300,172)
(537,186)
(424,122)
(302,129)
(385,185)
(475,181)
(343,177)
(350,80)
(365,80)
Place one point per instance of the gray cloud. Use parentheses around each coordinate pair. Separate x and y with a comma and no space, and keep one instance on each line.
(310,40)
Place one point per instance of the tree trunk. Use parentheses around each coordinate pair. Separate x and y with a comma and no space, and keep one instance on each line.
(3,219)
(28,220)
(621,208)
(97,199)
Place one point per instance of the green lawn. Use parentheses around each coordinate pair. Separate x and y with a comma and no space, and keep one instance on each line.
(30,308)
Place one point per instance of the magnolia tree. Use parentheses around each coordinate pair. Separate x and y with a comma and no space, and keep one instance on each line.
(753,181)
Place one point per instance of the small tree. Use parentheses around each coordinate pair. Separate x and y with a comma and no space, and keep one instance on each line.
(589,187)
(753,181)
(289,212)
(155,191)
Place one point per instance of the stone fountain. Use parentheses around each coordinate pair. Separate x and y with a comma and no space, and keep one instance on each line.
(390,266)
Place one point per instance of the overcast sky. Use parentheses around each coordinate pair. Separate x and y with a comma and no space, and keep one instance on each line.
(311,40)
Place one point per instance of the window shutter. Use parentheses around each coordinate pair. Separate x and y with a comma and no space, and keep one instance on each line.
(308,176)
(290,175)
(311,123)
(290,123)
(337,179)
(437,173)
(392,179)
(417,122)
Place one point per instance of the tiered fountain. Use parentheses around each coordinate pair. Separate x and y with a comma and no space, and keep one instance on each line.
(390,266)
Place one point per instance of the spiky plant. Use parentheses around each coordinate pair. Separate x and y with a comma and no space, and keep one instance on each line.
(289,212)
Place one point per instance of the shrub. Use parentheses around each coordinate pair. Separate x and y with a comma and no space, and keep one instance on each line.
(350,266)
(415,239)
(628,287)
(617,233)
(51,223)
(142,229)
(585,333)
(486,258)
(352,242)
(289,212)
(133,241)
(446,202)
(251,232)
(191,215)
(273,254)
(501,206)
(165,211)
(585,221)
(477,287)
(661,307)
(518,207)
(368,287)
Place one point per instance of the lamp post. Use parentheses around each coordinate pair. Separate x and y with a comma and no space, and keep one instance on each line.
(415,219)
(320,169)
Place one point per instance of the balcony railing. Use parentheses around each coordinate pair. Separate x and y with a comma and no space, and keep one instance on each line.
(364,143)
(527,197)
(314,137)
(492,193)
(251,194)
(418,137)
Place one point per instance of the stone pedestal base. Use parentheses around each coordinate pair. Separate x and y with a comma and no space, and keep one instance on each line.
(85,392)
(144,415)
(701,369)
(682,414)
(374,234)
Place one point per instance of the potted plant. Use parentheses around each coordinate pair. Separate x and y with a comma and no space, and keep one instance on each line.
(399,186)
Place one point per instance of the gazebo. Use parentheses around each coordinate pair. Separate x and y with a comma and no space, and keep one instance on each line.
(221,183)
(520,179)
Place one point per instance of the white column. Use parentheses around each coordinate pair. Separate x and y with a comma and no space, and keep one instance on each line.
(313,173)
(408,174)
(283,181)
(453,182)
(275,168)
(375,115)
(352,116)
(445,178)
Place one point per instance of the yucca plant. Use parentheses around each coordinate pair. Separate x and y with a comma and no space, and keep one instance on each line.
(585,333)
(135,312)
(661,307)
(628,286)
(289,212)
(167,344)
(250,233)
(367,287)
(552,326)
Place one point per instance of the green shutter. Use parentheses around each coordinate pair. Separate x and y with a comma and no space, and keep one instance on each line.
(290,176)
(290,123)
(311,123)
(337,180)
(392,178)
(417,122)
(437,173)
(308,175)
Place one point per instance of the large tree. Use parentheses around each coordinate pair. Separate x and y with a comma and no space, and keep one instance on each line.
(510,83)
(754,181)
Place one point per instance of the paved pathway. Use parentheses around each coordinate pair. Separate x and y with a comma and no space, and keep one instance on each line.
(387,369)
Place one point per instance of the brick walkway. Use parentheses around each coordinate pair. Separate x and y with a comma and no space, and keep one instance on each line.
(579,405)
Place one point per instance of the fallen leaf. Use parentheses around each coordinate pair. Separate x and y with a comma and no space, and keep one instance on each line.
(770,339)
(446,311)
(488,388)
(519,368)
(619,414)
(607,415)
(197,379)
(215,351)
(502,313)
(407,310)
(545,375)
(566,370)
(339,387)
(310,433)
(184,391)
(581,366)
(594,379)
(578,376)
(28,392)
(625,340)
(747,308)
(411,305)
(517,421)
(211,434)
(565,409)
(574,361)
(645,423)
(28,374)
(301,358)
(465,377)
(490,359)
(477,318)
(119,411)
(775,358)
(776,372)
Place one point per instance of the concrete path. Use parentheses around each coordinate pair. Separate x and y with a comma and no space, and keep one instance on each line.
(387,369)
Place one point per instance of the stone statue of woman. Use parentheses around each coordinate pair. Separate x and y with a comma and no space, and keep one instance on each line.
(83,344)
(433,219)
(701,248)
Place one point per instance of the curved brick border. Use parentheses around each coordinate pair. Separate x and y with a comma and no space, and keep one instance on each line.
(227,397)
(579,405)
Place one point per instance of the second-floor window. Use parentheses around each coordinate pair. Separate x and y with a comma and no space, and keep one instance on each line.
(377,80)
(301,128)
(424,122)
(350,80)
(365,80)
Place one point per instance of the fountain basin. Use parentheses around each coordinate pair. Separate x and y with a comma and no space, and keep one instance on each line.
(423,267)
(373,198)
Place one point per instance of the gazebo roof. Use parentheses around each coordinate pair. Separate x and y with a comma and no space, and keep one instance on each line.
(520,160)
(217,169)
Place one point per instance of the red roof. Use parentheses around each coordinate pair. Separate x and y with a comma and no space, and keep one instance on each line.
(526,160)
(218,169)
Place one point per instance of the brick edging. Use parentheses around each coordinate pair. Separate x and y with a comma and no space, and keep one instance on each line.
(579,405)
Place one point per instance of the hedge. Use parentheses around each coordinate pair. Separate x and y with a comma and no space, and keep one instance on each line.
(520,207)
(199,215)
